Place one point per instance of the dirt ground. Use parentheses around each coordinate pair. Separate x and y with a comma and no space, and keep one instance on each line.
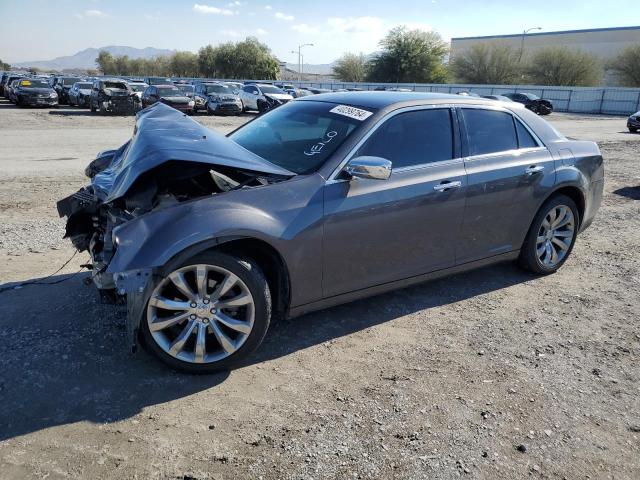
(490,374)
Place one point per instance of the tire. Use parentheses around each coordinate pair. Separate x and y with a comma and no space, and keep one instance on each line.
(633,129)
(93,108)
(253,318)
(543,263)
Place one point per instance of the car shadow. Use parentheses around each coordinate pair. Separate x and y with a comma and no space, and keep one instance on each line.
(64,358)
(630,192)
(78,112)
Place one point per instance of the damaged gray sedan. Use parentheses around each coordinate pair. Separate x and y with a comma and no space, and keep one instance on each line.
(321,201)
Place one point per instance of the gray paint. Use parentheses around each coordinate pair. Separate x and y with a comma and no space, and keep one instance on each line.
(343,239)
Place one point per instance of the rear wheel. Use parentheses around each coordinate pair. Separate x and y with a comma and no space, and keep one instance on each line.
(93,108)
(551,236)
(208,313)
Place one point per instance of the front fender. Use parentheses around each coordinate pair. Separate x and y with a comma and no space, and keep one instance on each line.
(286,215)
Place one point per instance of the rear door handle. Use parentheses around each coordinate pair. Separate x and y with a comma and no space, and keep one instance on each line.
(447,185)
(534,169)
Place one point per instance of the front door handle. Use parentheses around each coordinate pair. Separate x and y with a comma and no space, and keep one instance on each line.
(441,187)
(534,169)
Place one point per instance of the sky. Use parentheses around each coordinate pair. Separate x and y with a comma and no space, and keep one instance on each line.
(44,29)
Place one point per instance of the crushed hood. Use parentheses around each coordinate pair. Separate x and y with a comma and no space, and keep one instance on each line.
(164,134)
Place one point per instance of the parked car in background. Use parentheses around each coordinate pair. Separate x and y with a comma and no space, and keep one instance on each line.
(262,97)
(532,102)
(217,98)
(158,81)
(235,86)
(80,94)
(62,85)
(112,95)
(633,122)
(169,95)
(317,91)
(187,89)
(138,88)
(34,92)
(11,89)
(500,98)
(315,204)
(7,83)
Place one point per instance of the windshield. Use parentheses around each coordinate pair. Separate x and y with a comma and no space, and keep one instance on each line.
(34,84)
(298,136)
(169,92)
(69,81)
(218,89)
(531,96)
(158,80)
(186,88)
(119,85)
(83,86)
(138,87)
(270,89)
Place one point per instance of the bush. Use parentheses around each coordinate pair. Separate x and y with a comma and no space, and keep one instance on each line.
(487,64)
(564,66)
(627,66)
(351,68)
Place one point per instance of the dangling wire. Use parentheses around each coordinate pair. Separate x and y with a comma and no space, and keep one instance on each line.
(41,281)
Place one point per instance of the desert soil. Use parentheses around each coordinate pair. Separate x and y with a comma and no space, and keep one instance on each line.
(490,374)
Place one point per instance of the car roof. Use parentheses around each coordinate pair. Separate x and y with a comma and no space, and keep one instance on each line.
(383,99)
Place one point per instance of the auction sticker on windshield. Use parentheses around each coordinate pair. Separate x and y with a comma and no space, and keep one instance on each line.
(351,112)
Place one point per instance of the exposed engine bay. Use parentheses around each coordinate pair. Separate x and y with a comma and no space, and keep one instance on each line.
(170,160)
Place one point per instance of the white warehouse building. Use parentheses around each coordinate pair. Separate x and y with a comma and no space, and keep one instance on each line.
(605,43)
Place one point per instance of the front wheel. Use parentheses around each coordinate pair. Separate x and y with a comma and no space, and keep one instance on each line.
(551,236)
(633,129)
(207,314)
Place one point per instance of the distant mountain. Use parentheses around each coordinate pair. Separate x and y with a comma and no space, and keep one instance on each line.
(87,58)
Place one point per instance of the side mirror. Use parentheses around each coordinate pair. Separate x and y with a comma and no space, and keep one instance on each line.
(374,168)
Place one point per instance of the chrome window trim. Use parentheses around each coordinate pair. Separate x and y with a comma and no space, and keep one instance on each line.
(503,153)
(332,178)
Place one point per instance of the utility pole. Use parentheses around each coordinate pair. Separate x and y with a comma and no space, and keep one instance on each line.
(524,32)
(300,58)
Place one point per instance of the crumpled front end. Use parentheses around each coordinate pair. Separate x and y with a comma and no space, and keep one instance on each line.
(169,161)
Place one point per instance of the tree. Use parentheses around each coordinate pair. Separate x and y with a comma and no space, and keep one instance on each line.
(564,66)
(106,63)
(4,66)
(627,66)
(487,64)
(351,67)
(184,64)
(409,56)
(207,61)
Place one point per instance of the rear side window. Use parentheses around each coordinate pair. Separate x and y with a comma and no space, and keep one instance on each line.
(489,131)
(525,140)
(412,138)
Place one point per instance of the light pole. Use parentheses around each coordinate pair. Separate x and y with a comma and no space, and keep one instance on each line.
(524,32)
(300,58)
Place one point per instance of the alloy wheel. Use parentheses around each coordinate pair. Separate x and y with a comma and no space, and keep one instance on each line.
(555,236)
(201,313)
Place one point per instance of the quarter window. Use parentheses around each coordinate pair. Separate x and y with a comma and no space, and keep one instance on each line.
(525,140)
(412,138)
(489,131)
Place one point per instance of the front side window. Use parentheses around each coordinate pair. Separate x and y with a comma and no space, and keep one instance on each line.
(298,136)
(489,131)
(412,138)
